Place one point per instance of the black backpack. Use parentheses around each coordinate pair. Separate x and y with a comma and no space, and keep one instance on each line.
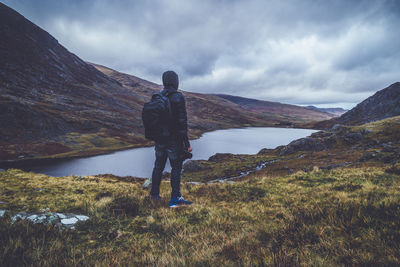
(156,116)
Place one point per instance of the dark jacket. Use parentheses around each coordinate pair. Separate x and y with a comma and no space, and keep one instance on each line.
(179,128)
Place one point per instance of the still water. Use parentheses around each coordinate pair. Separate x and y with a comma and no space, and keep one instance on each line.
(139,161)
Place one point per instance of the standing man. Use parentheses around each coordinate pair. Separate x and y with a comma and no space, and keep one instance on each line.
(177,143)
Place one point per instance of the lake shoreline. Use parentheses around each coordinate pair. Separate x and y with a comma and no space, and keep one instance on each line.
(9,164)
(138,161)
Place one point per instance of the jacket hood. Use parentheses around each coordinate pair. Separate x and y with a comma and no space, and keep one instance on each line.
(170,80)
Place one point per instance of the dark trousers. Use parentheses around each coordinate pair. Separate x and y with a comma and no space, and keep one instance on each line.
(171,150)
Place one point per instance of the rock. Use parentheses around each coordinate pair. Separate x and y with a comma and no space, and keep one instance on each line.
(353,138)
(265,151)
(72,220)
(3,213)
(39,189)
(19,216)
(221,157)
(61,216)
(82,218)
(147,184)
(337,127)
(303,144)
(59,220)
(194,183)
(32,217)
(194,166)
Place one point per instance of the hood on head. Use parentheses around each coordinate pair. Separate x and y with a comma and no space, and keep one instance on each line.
(170,80)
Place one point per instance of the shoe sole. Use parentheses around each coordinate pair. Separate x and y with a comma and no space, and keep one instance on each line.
(181,205)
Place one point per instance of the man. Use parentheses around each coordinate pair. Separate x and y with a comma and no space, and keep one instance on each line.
(178,141)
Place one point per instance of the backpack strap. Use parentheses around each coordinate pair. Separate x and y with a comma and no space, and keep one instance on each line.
(166,96)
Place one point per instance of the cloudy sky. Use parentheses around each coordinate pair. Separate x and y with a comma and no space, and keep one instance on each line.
(325,53)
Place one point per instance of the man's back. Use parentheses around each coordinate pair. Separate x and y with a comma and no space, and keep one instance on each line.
(177,143)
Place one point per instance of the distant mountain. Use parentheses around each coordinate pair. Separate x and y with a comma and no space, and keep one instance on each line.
(383,104)
(52,103)
(334,111)
(290,114)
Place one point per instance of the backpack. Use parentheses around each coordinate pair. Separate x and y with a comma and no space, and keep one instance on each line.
(156,117)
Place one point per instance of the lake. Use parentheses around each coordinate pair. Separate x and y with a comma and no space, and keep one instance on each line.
(139,161)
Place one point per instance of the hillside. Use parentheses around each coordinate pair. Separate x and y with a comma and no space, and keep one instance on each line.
(210,112)
(383,104)
(308,206)
(285,112)
(334,111)
(53,104)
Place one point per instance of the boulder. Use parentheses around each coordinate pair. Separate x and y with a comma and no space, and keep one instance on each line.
(194,166)
(303,144)
(265,151)
(221,157)
(353,138)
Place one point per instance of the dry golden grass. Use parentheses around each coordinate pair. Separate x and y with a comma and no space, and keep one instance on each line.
(324,218)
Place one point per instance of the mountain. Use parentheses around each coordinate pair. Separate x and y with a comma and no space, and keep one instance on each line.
(51,100)
(289,114)
(54,104)
(383,104)
(334,111)
(205,112)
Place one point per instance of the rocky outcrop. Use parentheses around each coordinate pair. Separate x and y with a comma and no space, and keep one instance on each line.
(383,104)
(194,166)
(323,140)
(218,157)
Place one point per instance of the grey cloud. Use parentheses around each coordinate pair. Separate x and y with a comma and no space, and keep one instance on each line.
(295,51)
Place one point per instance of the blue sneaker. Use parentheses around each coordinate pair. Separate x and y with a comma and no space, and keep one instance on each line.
(178,201)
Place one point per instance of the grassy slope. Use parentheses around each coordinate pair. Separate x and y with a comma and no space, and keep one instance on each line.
(345,216)
(325,218)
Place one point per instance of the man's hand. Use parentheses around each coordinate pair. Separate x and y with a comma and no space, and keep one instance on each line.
(190,149)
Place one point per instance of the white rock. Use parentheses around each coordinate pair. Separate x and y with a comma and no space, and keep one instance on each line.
(17,216)
(2,213)
(61,216)
(32,217)
(41,218)
(72,220)
(82,217)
